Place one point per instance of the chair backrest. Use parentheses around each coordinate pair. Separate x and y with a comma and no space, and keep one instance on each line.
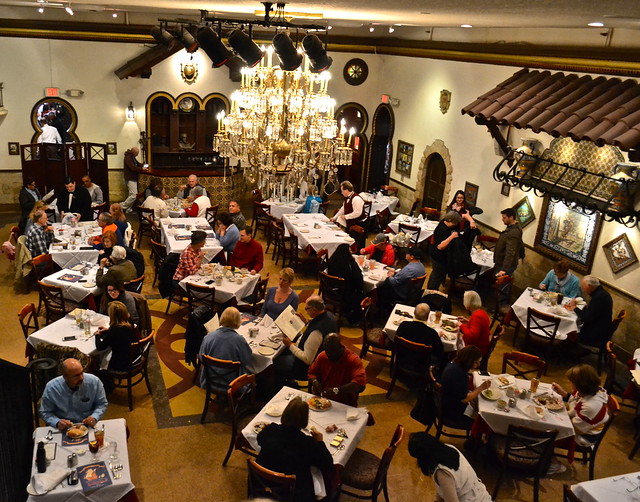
(139,353)
(613,407)
(256,195)
(431,213)
(502,284)
(28,319)
(356,232)
(229,366)
(514,359)
(541,324)
(387,457)
(99,209)
(43,265)
(414,292)
(145,323)
(260,290)
(159,254)
(201,295)
(366,209)
(487,241)
(529,450)
(436,301)
(412,231)
(261,210)
(332,288)
(495,338)
(59,353)
(270,484)
(53,300)
(411,357)
(211,214)
(383,218)
(14,233)
(135,285)
(146,216)
(612,363)
(389,189)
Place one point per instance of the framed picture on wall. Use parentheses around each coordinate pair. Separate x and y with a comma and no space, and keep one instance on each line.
(619,253)
(112,148)
(470,194)
(405,158)
(568,233)
(524,212)
(14,148)
(506,189)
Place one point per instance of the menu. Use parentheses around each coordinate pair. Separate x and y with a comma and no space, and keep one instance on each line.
(289,322)
(93,476)
(70,278)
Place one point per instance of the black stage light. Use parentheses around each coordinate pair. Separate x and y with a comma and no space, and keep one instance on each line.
(314,49)
(162,36)
(245,47)
(186,39)
(289,57)
(213,46)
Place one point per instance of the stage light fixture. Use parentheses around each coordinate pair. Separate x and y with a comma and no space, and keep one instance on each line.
(314,48)
(212,45)
(162,36)
(185,37)
(289,57)
(245,47)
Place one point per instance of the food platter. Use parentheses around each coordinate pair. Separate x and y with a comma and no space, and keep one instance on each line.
(450,329)
(492,393)
(551,403)
(503,380)
(534,411)
(258,426)
(318,403)
(77,431)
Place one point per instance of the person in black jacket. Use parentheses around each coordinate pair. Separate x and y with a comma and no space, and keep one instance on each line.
(418,332)
(596,316)
(75,199)
(29,195)
(118,336)
(343,265)
(443,235)
(285,448)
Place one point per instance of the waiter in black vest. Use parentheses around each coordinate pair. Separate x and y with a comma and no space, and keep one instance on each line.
(352,211)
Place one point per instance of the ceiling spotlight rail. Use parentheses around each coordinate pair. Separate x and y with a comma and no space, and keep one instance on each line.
(611,195)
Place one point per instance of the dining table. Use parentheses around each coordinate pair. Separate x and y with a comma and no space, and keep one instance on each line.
(239,285)
(316,231)
(176,235)
(265,340)
(175,208)
(374,273)
(522,414)
(78,283)
(621,488)
(352,420)
(70,245)
(483,258)
(109,475)
(401,313)
(427,227)
(380,202)
(278,208)
(530,298)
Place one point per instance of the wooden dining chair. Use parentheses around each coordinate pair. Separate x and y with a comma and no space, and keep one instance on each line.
(523,364)
(445,424)
(261,218)
(159,255)
(523,452)
(333,292)
(414,207)
(43,266)
(412,231)
(54,302)
(373,337)
(262,482)
(213,385)
(28,318)
(100,208)
(487,241)
(241,391)
(201,295)
(383,218)
(495,338)
(415,289)
(431,213)
(410,359)
(135,285)
(542,329)
(503,313)
(211,214)
(389,190)
(146,221)
(367,472)
(253,302)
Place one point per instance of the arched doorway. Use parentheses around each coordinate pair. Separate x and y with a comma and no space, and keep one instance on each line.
(381,149)
(435,181)
(356,119)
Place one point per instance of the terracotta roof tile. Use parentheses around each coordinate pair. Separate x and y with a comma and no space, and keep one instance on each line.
(602,110)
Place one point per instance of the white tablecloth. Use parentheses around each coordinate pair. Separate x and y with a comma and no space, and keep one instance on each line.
(67,258)
(568,322)
(449,339)
(373,277)
(227,289)
(55,332)
(328,236)
(259,361)
(76,291)
(614,488)
(499,420)
(170,233)
(482,258)
(115,430)
(380,202)
(277,209)
(318,419)
(426,227)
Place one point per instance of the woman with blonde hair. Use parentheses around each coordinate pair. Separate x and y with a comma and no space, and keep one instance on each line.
(475,330)
(118,336)
(279,298)
(120,220)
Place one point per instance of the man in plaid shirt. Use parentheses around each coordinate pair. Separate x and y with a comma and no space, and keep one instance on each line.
(40,235)
(190,258)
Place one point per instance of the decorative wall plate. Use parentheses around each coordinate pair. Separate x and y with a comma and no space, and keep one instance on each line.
(355,71)
(186,104)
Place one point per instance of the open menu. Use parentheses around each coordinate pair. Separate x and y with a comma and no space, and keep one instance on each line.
(93,476)
(289,322)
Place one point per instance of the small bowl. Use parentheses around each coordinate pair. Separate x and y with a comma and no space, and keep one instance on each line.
(501,404)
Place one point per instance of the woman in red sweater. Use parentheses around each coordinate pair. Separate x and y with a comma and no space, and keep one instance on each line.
(475,330)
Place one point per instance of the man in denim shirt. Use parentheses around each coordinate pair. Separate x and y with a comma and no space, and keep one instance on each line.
(396,288)
(73,397)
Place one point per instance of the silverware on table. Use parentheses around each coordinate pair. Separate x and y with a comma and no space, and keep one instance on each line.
(338,448)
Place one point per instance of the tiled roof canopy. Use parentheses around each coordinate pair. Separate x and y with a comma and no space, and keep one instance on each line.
(603,110)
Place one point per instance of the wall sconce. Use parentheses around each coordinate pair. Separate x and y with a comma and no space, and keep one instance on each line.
(3,110)
(131,111)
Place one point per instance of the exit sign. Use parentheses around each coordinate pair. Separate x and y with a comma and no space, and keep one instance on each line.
(51,91)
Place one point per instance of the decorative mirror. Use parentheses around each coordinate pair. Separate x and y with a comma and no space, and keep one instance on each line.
(66,118)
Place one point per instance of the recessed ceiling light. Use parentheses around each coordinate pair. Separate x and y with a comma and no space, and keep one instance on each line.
(41,10)
(115,14)
(596,24)
(466,26)
(69,9)
(329,27)
(371,28)
(391,29)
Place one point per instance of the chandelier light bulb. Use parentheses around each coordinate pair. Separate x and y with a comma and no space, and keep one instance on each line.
(115,14)
(41,10)
(391,29)
(69,9)
(371,28)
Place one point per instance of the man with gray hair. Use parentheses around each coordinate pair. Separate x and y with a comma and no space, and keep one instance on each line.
(418,331)
(185,190)
(294,362)
(596,316)
(117,267)
(40,235)
(443,235)
(200,204)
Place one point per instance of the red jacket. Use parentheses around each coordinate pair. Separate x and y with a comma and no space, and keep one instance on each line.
(476,331)
(388,257)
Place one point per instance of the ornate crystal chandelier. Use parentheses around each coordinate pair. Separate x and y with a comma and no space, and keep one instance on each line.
(281,127)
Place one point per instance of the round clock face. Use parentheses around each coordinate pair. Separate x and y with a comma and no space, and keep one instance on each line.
(186,105)
(355,71)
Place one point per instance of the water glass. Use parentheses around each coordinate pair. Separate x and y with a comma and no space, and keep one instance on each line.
(113,450)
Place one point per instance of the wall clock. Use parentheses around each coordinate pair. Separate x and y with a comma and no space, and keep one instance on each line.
(355,71)
(186,104)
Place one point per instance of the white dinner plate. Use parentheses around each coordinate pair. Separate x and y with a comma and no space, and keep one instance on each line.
(89,285)
(274,410)
(266,351)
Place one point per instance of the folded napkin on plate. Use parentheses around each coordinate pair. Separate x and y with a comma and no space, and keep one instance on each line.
(270,344)
(559,311)
(47,481)
(266,321)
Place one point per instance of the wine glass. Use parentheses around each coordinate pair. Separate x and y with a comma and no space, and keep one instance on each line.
(94,447)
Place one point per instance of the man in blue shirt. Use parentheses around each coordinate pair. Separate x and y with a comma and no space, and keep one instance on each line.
(73,397)
(396,288)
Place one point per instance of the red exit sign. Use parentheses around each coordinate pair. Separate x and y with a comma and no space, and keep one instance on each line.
(51,91)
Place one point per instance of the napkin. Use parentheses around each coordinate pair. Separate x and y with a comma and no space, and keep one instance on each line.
(266,321)
(47,481)
(353,413)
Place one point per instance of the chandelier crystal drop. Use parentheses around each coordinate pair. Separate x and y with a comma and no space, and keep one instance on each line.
(281,127)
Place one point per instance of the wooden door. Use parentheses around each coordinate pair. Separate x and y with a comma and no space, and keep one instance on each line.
(435,181)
